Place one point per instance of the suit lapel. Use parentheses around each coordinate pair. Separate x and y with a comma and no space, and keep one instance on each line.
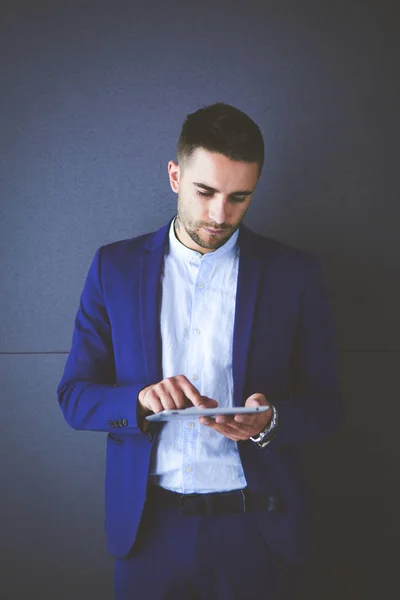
(246,297)
(151,263)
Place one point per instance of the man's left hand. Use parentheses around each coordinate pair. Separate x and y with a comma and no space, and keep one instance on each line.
(241,427)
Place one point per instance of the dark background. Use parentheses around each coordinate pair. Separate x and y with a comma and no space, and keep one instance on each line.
(92,99)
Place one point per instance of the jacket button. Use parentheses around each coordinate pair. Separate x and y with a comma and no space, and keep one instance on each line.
(111,423)
(120,423)
(115,423)
(125,422)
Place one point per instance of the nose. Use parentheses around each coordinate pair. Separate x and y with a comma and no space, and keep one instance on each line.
(217,211)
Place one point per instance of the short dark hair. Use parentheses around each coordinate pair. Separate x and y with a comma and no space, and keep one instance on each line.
(224,129)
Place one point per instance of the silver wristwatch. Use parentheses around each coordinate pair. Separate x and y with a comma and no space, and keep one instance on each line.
(269,432)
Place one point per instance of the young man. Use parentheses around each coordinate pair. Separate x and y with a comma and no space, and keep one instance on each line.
(205,313)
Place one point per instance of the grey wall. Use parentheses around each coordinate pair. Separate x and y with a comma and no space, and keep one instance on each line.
(92,98)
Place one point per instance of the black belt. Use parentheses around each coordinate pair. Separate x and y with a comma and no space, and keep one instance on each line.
(236,501)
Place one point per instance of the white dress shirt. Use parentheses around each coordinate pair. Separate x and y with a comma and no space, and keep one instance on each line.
(197,319)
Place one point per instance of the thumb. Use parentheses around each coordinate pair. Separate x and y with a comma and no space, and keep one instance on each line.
(256,400)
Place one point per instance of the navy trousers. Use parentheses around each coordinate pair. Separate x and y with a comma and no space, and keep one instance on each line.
(217,557)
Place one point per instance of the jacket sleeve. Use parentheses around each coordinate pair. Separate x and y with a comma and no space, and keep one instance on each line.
(314,408)
(87,393)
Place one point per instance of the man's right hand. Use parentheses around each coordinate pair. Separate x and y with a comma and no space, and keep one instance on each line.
(172,393)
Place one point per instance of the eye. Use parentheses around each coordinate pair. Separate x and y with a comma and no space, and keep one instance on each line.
(235,199)
(238,199)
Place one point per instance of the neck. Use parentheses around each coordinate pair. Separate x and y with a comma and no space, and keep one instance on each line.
(185,239)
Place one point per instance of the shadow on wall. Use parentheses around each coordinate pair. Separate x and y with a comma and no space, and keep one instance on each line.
(354,508)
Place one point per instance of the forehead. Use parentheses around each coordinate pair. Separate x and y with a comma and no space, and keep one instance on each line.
(219,171)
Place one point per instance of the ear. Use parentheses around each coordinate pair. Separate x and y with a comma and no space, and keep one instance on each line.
(174,175)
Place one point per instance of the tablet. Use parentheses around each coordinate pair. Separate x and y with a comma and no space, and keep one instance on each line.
(192,412)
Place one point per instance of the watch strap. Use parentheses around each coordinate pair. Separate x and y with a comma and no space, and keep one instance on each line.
(269,432)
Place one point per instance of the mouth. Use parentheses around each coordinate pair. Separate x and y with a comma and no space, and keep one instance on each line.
(215,231)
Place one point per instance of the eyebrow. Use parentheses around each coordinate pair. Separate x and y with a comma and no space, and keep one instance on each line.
(211,189)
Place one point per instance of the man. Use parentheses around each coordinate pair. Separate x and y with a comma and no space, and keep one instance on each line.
(205,312)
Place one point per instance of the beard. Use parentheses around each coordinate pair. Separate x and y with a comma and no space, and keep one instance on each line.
(199,236)
(210,242)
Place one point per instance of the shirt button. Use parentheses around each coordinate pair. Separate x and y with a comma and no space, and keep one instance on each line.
(201,285)
(195,377)
(197,331)
(188,469)
(191,424)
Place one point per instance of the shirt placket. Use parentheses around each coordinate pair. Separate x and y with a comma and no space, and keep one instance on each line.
(196,349)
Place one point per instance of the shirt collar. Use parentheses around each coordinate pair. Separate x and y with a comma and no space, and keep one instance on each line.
(178,249)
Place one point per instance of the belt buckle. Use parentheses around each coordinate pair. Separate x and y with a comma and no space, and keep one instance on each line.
(185,502)
(202,505)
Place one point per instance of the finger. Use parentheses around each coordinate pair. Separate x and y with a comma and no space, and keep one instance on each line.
(207,402)
(224,419)
(227,429)
(225,422)
(189,390)
(165,395)
(162,393)
(154,403)
(235,426)
(194,395)
(173,395)
(242,419)
(240,428)
(229,432)
(210,422)
(250,420)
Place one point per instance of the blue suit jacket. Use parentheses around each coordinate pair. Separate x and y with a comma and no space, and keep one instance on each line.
(283,347)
